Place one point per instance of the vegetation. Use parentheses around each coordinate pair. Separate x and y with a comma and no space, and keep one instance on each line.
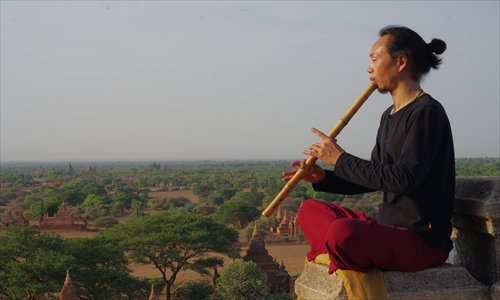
(478,167)
(116,190)
(242,280)
(237,213)
(175,243)
(34,264)
(194,290)
(229,195)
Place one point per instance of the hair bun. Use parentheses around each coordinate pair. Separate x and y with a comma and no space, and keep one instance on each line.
(437,46)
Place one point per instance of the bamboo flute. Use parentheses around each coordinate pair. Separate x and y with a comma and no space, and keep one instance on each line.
(292,183)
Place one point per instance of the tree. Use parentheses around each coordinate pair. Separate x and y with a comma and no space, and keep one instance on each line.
(238,213)
(105,222)
(49,206)
(38,209)
(125,198)
(194,290)
(174,243)
(242,280)
(203,189)
(100,270)
(252,197)
(34,264)
(137,207)
(218,197)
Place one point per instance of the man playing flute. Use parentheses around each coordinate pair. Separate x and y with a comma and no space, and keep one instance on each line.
(412,163)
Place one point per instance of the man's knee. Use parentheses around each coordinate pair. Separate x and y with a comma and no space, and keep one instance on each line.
(308,208)
(345,234)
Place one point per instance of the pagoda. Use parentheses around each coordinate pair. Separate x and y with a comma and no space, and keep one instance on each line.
(13,219)
(284,228)
(152,295)
(89,170)
(70,169)
(277,277)
(68,290)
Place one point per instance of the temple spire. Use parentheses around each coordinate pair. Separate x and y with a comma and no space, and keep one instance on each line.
(282,267)
(152,295)
(68,290)
(69,168)
(278,214)
(90,170)
(285,218)
(255,232)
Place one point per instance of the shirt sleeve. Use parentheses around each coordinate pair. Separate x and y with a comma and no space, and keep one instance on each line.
(423,130)
(337,185)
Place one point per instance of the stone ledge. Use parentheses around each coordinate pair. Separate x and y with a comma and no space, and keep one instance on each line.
(476,228)
(444,282)
(315,283)
(495,291)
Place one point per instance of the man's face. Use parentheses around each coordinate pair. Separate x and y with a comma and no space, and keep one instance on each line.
(383,68)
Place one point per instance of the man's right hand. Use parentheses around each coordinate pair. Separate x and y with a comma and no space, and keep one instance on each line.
(315,175)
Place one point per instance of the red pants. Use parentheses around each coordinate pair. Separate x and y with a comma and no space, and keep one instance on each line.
(355,242)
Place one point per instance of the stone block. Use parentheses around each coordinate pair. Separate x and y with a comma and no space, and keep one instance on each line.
(315,283)
(446,282)
(476,227)
(495,291)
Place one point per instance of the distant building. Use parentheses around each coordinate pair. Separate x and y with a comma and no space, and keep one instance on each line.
(13,219)
(70,169)
(278,278)
(284,228)
(68,291)
(160,296)
(287,227)
(63,219)
(89,170)
(152,295)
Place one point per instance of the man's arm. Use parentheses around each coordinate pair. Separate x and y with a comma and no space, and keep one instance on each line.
(337,185)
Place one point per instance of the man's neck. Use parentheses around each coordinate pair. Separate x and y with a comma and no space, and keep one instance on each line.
(404,94)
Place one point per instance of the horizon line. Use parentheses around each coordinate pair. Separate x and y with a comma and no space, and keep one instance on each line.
(77,161)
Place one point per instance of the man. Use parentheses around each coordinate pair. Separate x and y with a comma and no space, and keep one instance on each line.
(412,163)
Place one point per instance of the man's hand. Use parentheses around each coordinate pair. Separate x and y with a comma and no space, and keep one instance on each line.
(327,150)
(315,175)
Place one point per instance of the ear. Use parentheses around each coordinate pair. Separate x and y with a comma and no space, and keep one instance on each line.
(402,62)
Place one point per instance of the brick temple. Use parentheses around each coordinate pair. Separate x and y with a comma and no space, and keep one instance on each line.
(13,219)
(287,227)
(278,278)
(63,219)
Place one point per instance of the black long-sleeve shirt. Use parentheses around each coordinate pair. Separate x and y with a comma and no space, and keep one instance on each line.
(413,163)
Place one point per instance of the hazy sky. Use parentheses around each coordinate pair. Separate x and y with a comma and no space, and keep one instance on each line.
(140,80)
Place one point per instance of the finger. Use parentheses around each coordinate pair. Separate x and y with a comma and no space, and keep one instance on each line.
(288,174)
(317,146)
(310,153)
(302,163)
(295,163)
(319,133)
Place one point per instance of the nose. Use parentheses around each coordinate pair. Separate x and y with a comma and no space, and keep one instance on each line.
(370,69)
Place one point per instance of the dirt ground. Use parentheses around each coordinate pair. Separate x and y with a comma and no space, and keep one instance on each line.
(292,255)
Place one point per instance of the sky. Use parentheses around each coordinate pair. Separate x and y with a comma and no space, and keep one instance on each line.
(221,80)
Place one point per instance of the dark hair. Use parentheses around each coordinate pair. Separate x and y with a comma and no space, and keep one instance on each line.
(421,55)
